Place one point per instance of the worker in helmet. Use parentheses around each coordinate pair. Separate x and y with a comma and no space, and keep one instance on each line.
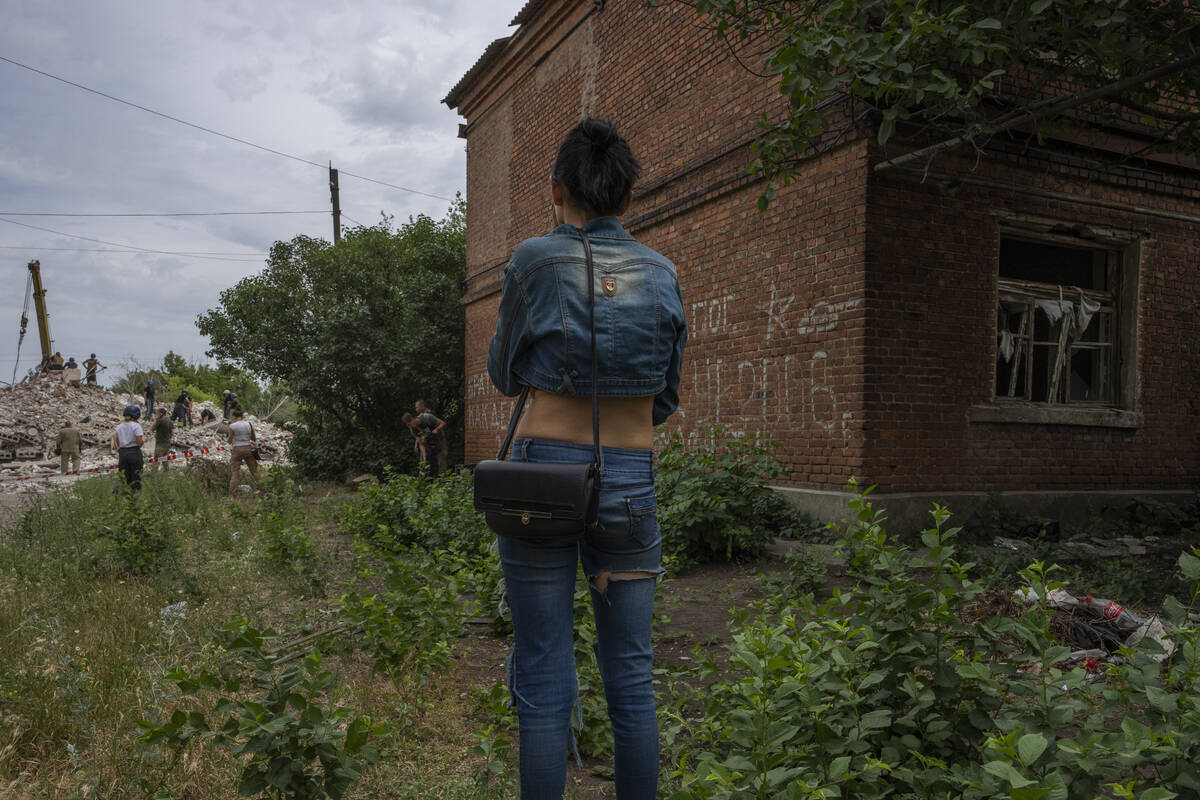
(92,366)
(225,401)
(148,396)
(127,443)
(182,413)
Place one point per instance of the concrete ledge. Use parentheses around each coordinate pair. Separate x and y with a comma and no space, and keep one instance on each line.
(1042,414)
(908,512)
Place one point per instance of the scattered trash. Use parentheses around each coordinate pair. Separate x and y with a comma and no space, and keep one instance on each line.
(1057,598)
(175,611)
(1004,543)
(1122,617)
(1097,637)
(1156,630)
(1117,627)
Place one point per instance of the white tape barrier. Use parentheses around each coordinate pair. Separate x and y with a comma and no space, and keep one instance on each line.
(173,457)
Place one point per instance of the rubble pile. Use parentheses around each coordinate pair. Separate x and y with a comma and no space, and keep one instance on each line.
(32,414)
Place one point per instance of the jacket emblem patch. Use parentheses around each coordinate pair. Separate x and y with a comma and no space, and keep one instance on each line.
(609,284)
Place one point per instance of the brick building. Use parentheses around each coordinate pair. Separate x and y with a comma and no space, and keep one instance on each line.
(902,329)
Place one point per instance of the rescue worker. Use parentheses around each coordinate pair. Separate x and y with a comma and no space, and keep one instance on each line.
(70,444)
(56,361)
(163,427)
(182,413)
(127,441)
(226,401)
(242,437)
(92,366)
(148,395)
(435,438)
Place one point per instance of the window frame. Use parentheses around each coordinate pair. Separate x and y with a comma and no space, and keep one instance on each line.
(1123,278)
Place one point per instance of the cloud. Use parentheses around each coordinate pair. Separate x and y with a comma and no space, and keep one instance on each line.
(245,82)
(356,84)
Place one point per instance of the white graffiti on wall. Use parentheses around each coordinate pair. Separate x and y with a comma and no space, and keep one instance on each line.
(776,307)
(709,317)
(769,393)
(487,409)
(795,390)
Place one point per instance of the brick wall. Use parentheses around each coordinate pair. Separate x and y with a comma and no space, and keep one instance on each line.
(931,344)
(774,299)
(856,370)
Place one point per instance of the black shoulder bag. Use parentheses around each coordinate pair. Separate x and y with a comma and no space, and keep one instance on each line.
(550,503)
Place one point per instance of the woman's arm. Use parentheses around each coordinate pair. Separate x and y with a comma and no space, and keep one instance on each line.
(512,329)
(666,401)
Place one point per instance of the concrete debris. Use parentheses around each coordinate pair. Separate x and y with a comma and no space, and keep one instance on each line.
(32,413)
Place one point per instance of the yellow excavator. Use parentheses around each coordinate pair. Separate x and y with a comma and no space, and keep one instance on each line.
(34,290)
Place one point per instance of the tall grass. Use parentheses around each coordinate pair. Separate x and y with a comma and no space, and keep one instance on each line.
(100,594)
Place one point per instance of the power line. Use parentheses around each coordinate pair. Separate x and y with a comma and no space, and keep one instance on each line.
(106,250)
(217,133)
(213,256)
(159,214)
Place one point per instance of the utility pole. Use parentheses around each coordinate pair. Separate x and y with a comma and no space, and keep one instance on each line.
(337,205)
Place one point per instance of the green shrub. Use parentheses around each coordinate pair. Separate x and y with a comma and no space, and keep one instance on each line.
(410,626)
(437,522)
(136,534)
(886,691)
(713,500)
(295,743)
(407,510)
(282,520)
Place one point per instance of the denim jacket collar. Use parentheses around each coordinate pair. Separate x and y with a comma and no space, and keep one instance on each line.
(608,227)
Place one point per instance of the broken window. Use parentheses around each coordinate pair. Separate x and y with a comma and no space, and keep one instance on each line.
(1056,322)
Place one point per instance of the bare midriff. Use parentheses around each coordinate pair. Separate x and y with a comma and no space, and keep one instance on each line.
(624,421)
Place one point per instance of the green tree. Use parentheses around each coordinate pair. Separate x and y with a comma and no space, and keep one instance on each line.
(357,330)
(958,73)
(206,382)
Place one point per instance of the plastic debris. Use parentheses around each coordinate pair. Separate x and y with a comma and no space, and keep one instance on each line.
(1057,598)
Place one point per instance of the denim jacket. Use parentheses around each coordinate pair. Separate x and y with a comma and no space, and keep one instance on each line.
(543,337)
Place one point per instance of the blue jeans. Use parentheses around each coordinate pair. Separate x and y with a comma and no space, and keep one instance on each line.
(540,585)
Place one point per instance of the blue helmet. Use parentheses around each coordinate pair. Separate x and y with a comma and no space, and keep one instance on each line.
(132,411)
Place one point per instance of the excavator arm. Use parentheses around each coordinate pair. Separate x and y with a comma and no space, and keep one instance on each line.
(39,309)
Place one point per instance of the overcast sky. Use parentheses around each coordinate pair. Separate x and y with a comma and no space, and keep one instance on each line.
(359,83)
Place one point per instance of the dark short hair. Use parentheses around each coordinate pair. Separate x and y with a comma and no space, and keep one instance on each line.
(406,418)
(596,167)
(237,412)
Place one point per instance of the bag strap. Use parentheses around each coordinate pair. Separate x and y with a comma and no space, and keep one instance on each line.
(597,453)
(519,406)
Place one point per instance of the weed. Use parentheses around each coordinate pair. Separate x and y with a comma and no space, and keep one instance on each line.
(885,691)
(409,627)
(496,776)
(294,744)
(714,503)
